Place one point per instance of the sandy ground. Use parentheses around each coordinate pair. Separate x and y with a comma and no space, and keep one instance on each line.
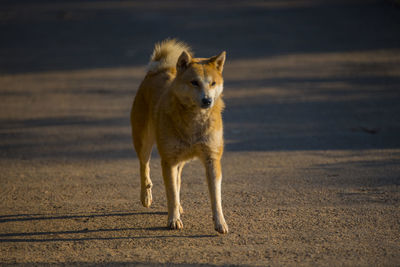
(312,126)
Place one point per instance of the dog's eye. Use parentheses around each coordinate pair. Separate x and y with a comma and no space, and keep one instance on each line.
(195,83)
(213,83)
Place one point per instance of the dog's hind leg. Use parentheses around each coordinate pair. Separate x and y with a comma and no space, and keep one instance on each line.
(145,181)
(143,139)
(144,154)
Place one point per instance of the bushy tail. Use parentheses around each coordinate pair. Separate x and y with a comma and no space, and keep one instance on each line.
(166,54)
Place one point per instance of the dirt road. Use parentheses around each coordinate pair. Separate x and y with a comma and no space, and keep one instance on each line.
(312,162)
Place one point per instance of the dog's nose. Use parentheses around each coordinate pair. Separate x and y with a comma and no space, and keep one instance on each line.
(206,102)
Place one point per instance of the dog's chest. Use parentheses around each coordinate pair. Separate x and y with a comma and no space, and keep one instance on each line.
(199,137)
(195,134)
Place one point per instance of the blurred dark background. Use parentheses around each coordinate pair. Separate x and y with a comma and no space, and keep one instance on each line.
(65,35)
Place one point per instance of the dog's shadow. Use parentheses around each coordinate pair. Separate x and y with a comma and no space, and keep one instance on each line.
(86,234)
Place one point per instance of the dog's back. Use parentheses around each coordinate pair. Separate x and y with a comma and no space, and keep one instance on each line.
(161,72)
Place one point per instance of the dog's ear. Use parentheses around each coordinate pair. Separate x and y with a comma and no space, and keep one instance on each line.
(183,61)
(219,61)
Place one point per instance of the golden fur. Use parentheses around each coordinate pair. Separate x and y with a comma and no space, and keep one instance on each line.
(178,106)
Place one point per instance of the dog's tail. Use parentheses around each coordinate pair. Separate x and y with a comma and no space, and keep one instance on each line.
(166,54)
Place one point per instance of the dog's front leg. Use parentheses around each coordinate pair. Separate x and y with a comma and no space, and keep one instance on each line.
(214,179)
(171,187)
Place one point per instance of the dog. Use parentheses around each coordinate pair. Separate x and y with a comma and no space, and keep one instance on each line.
(178,106)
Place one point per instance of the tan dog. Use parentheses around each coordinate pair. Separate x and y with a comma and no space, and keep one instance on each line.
(179,105)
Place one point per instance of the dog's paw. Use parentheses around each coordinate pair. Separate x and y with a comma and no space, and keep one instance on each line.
(221,228)
(146,197)
(175,224)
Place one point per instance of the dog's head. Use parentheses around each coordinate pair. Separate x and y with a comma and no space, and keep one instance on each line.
(199,81)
